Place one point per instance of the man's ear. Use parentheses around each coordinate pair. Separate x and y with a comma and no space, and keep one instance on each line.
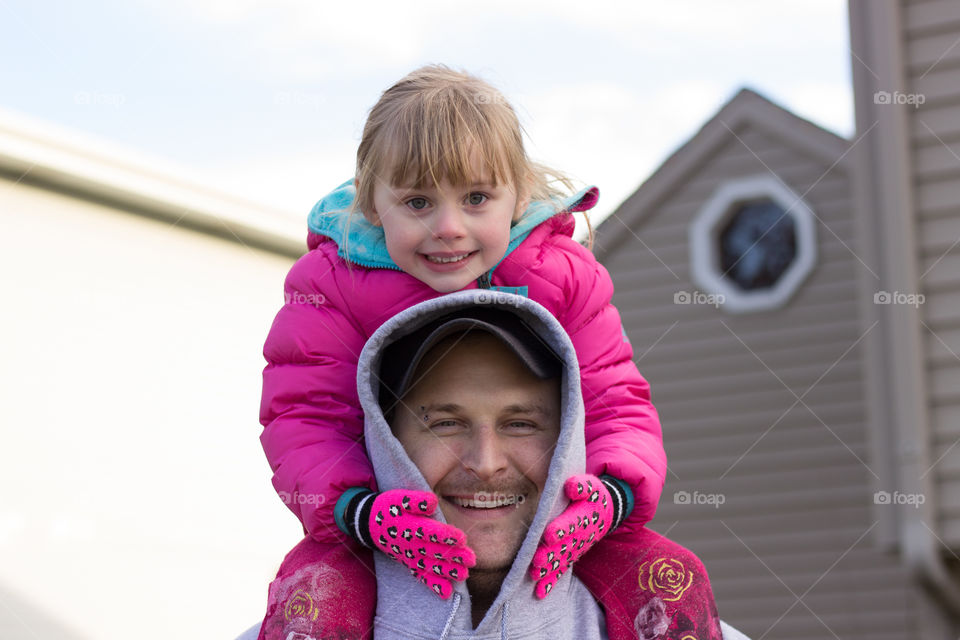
(371,216)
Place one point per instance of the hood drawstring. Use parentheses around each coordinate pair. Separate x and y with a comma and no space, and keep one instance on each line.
(453,614)
(503,623)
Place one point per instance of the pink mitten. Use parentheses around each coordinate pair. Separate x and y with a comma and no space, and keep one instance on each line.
(590,515)
(398,523)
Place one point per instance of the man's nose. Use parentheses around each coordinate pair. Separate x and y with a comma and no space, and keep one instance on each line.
(486,454)
(448,224)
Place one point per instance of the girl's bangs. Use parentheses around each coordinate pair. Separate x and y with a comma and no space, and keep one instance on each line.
(423,159)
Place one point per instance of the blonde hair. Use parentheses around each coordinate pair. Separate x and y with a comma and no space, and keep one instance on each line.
(427,128)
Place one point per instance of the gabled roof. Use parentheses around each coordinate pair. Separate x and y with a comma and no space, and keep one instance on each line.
(38,153)
(746,107)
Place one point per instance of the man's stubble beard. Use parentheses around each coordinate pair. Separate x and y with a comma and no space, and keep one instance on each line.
(528,501)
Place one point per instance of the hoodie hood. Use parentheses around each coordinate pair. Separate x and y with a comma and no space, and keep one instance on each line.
(407,609)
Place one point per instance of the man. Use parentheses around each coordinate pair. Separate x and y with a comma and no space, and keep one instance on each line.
(480,405)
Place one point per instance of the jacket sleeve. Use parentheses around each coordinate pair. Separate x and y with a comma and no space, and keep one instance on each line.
(623,432)
(313,426)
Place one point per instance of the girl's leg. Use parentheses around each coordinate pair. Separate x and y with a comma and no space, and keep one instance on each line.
(322,590)
(650,587)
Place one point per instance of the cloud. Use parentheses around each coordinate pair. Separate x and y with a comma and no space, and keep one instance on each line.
(613,135)
(290,40)
(296,40)
(291,181)
(829,105)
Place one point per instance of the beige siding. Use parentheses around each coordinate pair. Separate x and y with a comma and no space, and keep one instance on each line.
(765,409)
(932,38)
(130,386)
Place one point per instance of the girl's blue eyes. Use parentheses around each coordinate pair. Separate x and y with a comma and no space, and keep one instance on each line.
(419,203)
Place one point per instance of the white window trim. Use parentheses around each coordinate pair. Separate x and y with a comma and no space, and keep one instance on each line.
(704,244)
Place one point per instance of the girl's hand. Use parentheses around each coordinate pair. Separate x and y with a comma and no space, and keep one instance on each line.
(591,515)
(398,523)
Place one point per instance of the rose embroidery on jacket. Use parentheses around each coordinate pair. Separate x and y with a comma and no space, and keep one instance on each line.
(665,577)
(300,605)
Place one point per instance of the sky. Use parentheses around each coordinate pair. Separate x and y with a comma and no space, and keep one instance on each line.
(266,100)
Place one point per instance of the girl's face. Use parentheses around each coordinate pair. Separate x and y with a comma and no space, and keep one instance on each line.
(446,236)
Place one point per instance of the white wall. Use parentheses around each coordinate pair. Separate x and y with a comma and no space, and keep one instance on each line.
(134,497)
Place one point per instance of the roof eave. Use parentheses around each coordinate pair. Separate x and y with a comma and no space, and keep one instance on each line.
(747,106)
(45,156)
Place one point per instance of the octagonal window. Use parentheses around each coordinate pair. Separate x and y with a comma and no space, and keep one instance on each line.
(757,245)
(752,244)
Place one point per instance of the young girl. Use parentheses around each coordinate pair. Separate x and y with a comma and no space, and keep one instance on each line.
(445,198)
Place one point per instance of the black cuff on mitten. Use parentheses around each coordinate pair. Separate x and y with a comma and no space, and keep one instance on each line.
(622,499)
(354,508)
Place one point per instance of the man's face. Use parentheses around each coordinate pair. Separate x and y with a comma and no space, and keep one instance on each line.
(481,428)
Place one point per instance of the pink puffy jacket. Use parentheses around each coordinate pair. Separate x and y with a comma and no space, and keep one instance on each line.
(648,586)
(313,426)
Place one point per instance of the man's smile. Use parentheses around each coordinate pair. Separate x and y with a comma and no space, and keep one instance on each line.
(487,500)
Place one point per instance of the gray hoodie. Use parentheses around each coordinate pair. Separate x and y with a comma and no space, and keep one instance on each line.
(407,609)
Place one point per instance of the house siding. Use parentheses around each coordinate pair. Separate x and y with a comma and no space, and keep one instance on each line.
(765,409)
(130,394)
(932,70)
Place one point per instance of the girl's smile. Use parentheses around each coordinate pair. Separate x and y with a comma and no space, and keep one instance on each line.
(453,258)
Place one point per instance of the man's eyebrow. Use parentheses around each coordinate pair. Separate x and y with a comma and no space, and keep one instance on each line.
(527,408)
(452,407)
(447,407)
